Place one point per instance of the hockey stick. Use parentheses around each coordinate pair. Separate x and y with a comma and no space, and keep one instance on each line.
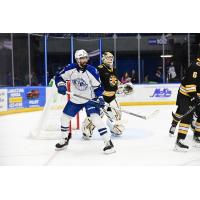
(124,111)
(180,117)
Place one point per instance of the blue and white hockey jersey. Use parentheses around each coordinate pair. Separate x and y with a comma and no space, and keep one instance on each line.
(83,82)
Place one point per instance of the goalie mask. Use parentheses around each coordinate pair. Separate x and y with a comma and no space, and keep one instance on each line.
(108,59)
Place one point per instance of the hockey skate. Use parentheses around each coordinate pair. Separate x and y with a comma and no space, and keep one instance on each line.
(109,148)
(180,146)
(63,143)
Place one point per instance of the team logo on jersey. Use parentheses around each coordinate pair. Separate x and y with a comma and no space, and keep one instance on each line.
(113,80)
(80,84)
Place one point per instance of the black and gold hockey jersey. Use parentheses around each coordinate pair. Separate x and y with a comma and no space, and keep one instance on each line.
(190,84)
(109,81)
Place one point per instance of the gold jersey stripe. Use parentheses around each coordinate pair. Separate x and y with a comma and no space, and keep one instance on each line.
(189,85)
(109,93)
(187,89)
(183,128)
(184,93)
(183,132)
(184,125)
(197,123)
(197,129)
(191,91)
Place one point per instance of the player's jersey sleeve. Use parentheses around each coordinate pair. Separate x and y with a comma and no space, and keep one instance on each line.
(190,81)
(95,81)
(64,74)
(101,73)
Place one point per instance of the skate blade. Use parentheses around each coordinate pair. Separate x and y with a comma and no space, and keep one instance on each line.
(86,138)
(116,135)
(110,151)
(60,149)
(183,150)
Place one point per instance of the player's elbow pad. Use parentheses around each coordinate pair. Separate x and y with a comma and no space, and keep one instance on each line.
(59,80)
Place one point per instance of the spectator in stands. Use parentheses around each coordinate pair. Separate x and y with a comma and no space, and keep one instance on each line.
(134,78)
(171,74)
(125,78)
(34,79)
(158,76)
(146,78)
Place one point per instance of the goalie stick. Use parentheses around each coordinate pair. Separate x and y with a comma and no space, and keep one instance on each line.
(145,117)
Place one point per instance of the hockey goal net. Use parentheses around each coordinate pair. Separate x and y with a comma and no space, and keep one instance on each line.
(48,126)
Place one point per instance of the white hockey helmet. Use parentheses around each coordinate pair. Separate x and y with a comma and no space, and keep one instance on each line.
(81,54)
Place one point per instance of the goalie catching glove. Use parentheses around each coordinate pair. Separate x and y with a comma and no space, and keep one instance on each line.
(125,89)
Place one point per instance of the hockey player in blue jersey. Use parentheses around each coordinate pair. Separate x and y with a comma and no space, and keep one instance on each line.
(85,81)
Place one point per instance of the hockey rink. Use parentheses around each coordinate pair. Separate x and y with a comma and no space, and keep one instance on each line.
(144,142)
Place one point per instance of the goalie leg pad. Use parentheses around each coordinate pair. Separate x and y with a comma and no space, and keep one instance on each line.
(87,128)
(114,119)
(116,128)
(116,114)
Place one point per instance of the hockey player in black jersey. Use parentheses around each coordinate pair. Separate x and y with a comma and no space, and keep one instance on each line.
(110,84)
(188,95)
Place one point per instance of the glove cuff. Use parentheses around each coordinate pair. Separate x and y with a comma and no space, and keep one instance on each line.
(61,84)
(100,97)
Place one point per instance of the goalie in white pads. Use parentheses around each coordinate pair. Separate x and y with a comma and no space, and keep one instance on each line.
(85,81)
(110,84)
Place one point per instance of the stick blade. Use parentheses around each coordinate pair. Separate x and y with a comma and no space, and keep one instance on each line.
(153,114)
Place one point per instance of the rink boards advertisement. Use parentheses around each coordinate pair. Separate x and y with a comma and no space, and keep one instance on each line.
(152,94)
(22,99)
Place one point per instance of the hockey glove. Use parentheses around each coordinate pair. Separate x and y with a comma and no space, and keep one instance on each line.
(98,102)
(62,88)
(101,102)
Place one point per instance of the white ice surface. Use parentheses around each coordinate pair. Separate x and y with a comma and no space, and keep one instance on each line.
(143,143)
